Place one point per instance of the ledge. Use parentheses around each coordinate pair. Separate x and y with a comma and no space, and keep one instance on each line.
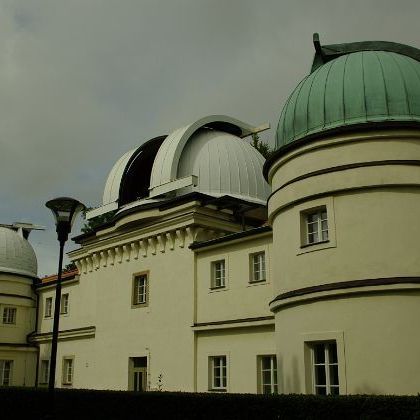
(326,291)
(234,323)
(75,333)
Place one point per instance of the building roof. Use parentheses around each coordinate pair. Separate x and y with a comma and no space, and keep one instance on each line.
(351,85)
(208,156)
(51,279)
(232,237)
(16,253)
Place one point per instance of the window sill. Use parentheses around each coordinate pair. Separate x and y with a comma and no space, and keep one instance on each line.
(252,282)
(218,289)
(139,305)
(217,390)
(315,243)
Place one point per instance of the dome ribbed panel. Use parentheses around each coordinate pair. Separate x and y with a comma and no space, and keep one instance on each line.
(353,89)
(225,165)
(412,79)
(395,86)
(375,87)
(334,112)
(16,254)
(112,186)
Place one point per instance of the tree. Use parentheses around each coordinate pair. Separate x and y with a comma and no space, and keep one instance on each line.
(91,224)
(261,146)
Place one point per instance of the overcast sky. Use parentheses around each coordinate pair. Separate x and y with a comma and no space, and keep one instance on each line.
(84,81)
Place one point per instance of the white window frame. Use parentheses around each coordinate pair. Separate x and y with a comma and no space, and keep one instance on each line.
(218,274)
(140,293)
(48,307)
(45,372)
(218,370)
(257,267)
(317,228)
(327,364)
(68,370)
(272,373)
(6,372)
(9,315)
(64,304)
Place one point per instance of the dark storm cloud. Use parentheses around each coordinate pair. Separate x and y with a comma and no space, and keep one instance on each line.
(83,81)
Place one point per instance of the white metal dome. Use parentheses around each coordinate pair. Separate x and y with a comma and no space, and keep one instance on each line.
(16,254)
(210,156)
(223,164)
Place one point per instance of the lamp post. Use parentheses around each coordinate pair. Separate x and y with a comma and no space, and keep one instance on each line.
(65,210)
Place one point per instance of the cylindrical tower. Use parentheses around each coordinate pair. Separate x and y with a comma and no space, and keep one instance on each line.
(344,209)
(18,270)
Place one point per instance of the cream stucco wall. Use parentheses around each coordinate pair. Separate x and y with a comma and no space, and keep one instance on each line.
(16,292)
(370,186)
(241,346)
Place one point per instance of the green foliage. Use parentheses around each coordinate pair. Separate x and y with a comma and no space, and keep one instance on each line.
(91,224)
(70,267)
(88,404)
(262,147)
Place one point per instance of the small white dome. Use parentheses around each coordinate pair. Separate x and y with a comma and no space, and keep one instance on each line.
(16,254)
(224,164)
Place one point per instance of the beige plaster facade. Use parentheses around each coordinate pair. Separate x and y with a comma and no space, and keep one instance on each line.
(360,288)
(17,295)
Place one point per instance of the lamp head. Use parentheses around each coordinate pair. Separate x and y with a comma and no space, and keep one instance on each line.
(65,210)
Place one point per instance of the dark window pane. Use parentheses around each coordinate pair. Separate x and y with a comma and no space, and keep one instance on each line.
(335,390)
(321,390)
(266,377)
(334,375)
(266,362)
(319,353)
(332,349)
(320,375)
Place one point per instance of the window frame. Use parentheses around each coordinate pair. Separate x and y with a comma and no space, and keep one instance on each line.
(6,319)
(135,293)
(48,307)
(45,372)
(252,270)
(273,373)
(64,304)
(218,282)
(319,231)
(65,371)
(326,364)
(308,341)
(222,370)
(3,363)
(301,211)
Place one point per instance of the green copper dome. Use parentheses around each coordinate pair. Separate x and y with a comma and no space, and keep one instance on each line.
(353,84)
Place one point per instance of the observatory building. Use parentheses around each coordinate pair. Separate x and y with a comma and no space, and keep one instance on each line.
(220,271)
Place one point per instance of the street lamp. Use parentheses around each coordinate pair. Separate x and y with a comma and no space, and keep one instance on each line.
(65,210)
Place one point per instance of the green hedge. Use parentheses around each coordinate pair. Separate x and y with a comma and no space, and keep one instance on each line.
(87,404)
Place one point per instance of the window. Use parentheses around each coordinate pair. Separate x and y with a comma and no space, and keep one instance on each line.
(218,274)
(45,372)
(68,368)
(9,315)
(64,306)
(48,307)
(140,290)
(267,371)
(257,262)
(218,373)
(316,226)
(325,368)
(6,368)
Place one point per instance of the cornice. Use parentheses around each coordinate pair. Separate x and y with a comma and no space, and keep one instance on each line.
(72,334)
